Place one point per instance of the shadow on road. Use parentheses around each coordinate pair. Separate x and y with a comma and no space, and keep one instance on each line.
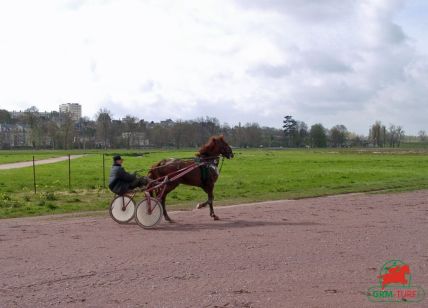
(229,224)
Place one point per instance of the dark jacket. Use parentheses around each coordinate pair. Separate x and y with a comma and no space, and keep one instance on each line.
(120,180)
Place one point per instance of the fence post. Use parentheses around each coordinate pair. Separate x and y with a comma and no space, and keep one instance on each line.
(34,176)
(69,172)
(104,172)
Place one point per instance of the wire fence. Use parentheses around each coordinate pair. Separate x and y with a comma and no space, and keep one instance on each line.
(69,172)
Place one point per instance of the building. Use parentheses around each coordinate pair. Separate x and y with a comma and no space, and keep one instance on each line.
(20,114)
(74,109)
(14,136)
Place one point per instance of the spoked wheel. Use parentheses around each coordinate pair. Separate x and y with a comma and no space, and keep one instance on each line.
(148,218)
(122,209)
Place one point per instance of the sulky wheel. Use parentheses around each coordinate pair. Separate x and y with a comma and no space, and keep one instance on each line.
(145,218)
(122,209)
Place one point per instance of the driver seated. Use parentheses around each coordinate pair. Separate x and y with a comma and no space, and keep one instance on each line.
(120,181)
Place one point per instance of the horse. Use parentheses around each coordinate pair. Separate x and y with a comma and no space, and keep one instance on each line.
(395,274)
(203,177)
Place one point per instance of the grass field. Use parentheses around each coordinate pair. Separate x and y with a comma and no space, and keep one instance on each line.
(253,175)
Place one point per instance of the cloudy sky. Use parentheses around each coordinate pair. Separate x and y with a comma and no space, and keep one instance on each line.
(330,61)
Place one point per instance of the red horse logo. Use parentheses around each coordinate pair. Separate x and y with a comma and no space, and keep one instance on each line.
(396,274)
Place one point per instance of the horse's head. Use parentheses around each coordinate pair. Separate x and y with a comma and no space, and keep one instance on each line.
(223,147)
(405,269)
(216,146)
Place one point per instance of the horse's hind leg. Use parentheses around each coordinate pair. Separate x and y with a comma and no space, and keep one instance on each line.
(165,213)
(168,189)
(201,205)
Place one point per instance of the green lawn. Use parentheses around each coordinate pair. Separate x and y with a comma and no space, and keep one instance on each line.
(253,175)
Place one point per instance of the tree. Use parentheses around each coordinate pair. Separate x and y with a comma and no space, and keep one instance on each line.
(205,128)
(32,118)
(178,133)
(377,134)
(5,117)
(394,135)
(300,137)
(290,128)
(400,134)
(66,129)
(357,140)
(422,135)
(252,135)
(87,131)
(129,129)
(338,135)
(318,136)
(104,126)
(159,135)
(51,130)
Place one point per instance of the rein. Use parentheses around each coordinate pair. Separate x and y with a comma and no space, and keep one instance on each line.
(201,160)
(221,165)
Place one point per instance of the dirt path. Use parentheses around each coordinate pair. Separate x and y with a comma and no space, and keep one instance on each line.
(320,252)
(24,164)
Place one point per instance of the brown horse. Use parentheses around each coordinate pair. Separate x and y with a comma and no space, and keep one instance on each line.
(203,177)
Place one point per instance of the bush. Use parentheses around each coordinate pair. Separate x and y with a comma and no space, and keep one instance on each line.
(48,196)
(7,202)
(52,206)
(5,197)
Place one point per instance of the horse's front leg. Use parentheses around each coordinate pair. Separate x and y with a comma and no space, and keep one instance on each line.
(204,204)
(210,203)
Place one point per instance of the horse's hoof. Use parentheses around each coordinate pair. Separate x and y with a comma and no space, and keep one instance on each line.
(216,217)
(169,220)
(200,206)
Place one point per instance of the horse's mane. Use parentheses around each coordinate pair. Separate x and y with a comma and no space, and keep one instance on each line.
(209,146)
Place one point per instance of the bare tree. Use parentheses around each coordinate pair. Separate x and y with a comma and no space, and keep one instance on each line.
(51,129)
(32,118)
(66,129)
(422,135)
(377,134)
(104,126)
(88,131)
(400,134)
(395,135)
(392,135)
(130,128)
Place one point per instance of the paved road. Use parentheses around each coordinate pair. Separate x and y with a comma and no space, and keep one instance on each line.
(24,164)
(320,252)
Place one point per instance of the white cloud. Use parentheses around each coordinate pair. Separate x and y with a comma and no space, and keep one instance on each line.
(329,61)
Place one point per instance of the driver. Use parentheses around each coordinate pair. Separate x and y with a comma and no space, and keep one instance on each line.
(121,181)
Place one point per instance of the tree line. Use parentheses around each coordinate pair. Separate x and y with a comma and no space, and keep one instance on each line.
(54,130)
(298,134)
